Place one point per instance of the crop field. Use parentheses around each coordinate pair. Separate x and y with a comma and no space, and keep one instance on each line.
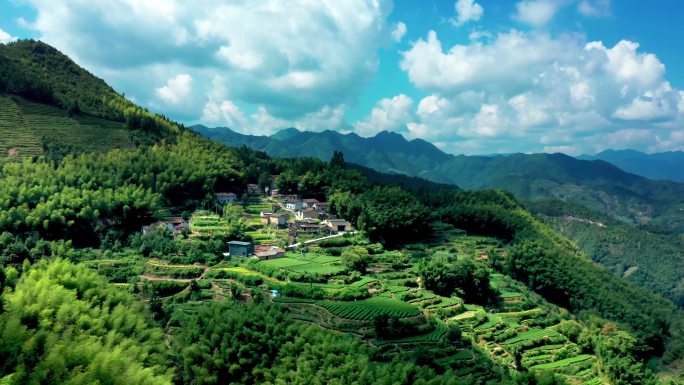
(206,223)
(86,133)
(370,308)
(431,337)
(532,335)
(174,271)
(312,257)
(258,208)
(283,263)
(16,140)
(317,268)
(565,362)
(509,294)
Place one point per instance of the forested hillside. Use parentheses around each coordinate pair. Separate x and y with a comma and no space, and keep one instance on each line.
(430,284)
(650,259)
(596,184)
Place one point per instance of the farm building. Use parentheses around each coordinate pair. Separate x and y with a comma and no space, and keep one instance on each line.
(306,227)
(175,226)
(307,213)
(253,189)
(224,198)
(279,220)
(321,207)
(294,204)
(306,203)
(338,225)
(240,249)
(268,252)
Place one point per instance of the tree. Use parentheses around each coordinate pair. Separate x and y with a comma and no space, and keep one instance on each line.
(337,160)
(356,258)
(464,277)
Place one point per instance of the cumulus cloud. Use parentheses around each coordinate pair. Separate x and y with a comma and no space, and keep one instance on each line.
(536,12)
(399,31)
(466,10)
(6,37)
(225,113)
(176,90)
(389,114)
(530,91)
(293,58)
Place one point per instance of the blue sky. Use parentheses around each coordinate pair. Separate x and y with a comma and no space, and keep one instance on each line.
(472,76)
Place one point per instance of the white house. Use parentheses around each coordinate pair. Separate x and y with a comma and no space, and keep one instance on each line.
(224,198)
(294,204)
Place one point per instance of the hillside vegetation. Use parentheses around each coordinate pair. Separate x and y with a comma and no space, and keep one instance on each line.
(650,259)
(436,286)
(595,184)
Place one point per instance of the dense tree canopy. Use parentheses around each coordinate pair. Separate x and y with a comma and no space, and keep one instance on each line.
(63,323)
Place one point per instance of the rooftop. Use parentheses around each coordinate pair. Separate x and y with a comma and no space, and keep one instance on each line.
(239,243)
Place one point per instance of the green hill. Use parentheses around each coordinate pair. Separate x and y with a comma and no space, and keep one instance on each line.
(596,184)
(51,106)
(440,285)
(649,259)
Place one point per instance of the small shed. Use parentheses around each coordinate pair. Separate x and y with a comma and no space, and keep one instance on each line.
(339,225)
(240,249)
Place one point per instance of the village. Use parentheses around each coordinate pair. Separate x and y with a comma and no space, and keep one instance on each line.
(274,222)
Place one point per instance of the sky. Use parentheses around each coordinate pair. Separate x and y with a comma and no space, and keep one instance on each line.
(471,76)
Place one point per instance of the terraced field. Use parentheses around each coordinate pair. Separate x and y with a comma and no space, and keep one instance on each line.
(370,308)
(51,125)
(16,140)
(503,334)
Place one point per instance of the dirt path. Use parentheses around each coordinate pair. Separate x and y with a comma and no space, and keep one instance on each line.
(295,245)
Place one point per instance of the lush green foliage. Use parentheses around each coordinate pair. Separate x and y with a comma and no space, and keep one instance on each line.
(649,259)
(387,214)
(63,323)
(463,277)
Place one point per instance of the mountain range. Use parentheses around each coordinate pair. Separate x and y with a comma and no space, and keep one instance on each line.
(663,165)
(593,183)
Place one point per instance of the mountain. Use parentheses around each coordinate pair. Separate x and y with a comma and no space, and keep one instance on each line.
(51,106)
(596,184)
(664,165)
(385,152)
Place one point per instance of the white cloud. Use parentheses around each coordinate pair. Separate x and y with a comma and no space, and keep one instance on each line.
(467,10)
(536,12)
(552,93)
(294,58)
(225,113)
(399,31)
(389,114)
(6,37)
(176,90)
(595,8)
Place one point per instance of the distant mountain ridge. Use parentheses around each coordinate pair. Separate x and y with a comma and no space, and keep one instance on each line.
(596,184)
(663,165)
(385,152)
